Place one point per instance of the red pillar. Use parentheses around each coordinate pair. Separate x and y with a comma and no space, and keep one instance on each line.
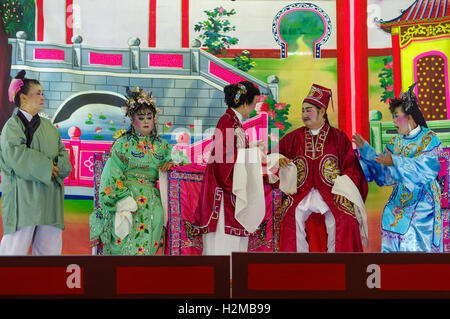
(185,23)
(40,20)
(396,61)
(152,24)
(362,71)
(352,67)
(69,21)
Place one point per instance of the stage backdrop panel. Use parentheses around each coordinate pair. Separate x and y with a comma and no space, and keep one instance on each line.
(349,275)
(84,277)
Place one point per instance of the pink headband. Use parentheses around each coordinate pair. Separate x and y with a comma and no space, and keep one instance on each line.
(14,88)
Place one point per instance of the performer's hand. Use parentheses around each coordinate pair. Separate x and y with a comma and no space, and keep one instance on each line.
(166,166)
(385,159)
(55,170)
(283,162)
(358,140)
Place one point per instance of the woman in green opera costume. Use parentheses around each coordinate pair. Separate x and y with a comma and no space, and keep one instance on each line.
(34,163)
(130,217)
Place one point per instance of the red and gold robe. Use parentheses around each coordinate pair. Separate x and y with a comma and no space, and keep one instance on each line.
(218,179)
(319,160)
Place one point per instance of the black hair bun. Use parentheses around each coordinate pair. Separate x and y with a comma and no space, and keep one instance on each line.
(21,75)
(230,92)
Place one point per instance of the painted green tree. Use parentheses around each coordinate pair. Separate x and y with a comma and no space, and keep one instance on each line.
(386,80)
(18,15)
(214,30)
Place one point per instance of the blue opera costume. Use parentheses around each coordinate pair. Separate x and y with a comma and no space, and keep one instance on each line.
(411,219)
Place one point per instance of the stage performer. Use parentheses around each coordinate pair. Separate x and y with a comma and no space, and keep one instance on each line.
(225,227)
(130,218)
(327,213)
(34,163)
(412,218)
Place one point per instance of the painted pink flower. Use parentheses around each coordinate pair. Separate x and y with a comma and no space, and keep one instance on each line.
(389,88)
(183,138)
(388,100)
(272,114)
(220,10)
(280,106)
(261,98)
(279,125)
(388,66)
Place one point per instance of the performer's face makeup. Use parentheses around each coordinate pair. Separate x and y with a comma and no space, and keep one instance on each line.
(401,121)
(312,116)
(33,102)
(143,122)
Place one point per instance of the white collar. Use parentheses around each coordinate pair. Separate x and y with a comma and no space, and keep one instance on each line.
(315,132)
(239,115)
(28,116)
(414,131)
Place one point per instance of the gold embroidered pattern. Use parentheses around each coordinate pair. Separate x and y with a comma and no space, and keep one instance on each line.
(279,216)
(190,229)
(397,146)
(408,148)
(314,149)
(392,141)
(302,170)
(417,149)
(348,208)
(285,205)
(405,196)
(438,220)
(426,140)
(329,169)
(398,214)
(423,31)
(241,137)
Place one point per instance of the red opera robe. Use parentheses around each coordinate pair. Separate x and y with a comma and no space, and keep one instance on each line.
(319,160)
(218,179)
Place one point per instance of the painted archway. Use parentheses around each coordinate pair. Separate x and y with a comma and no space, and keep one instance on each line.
(96,114)
(301,7)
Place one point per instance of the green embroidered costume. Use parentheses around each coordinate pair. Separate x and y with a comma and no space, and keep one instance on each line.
(132,170)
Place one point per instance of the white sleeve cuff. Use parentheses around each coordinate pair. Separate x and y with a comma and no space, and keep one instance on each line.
(126,204)
(123,219)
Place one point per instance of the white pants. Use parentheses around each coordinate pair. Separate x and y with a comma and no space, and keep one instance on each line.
(46,240)
(219,243)
(314,203)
